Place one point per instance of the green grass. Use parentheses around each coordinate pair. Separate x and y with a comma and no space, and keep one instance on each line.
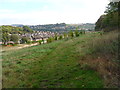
(53,65)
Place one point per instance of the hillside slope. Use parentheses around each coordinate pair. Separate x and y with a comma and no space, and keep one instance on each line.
(88,61)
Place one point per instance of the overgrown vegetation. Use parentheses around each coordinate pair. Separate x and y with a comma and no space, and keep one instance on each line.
(102,56)
(107,47)
(86,61)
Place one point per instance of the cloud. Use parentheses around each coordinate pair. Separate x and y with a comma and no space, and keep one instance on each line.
(47,17)
(68,11)
(6,11)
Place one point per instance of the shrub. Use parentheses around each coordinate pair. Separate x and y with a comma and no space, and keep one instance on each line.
(24,40)
(50,39)
(28,42)
(71,34)
(100,53)
(14,44)
(14,38)
(5,38)
(65,35)
(40,41)
(82,32)
(101,33)
(60,37)
(55,38)
(76,33)
(34,41)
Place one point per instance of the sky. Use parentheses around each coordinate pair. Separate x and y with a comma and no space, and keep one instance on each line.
(35,12)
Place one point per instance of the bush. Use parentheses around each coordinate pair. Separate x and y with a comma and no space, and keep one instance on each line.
(65,35)
(76,33)
(14,38)
(40,41)
(82,32)
(24,40)
(28,42)
(14,44)
(34,41)
(55,38)
(50,39)
(101,33)
(71,34)
(5,38)
(43,41)
(60,37)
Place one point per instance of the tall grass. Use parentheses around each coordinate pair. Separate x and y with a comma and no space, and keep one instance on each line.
(72,63)
(101,54)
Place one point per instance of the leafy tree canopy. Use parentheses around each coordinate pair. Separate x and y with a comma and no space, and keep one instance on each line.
(27,29)
(14,38)
(110,20)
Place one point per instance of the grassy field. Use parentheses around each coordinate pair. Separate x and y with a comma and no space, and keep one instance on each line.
(88,61)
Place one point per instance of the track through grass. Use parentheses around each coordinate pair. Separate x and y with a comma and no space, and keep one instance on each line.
(50,65)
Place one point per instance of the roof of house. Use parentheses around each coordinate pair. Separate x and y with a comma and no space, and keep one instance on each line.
(10,42)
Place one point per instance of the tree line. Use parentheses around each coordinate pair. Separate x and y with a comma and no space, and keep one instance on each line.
(71,34)
(10,33)
(14,31)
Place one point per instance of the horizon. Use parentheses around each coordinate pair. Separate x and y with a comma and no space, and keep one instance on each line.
(41,12)
(47,24)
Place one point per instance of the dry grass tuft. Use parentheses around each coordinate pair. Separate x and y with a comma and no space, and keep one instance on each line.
(104,58)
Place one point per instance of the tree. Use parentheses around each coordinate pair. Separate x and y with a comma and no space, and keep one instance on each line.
(71,34)
(27,29)
(99,23)
(60,37)
(109,21)
(14,38)
(55,38)
(43,40)
(76,32)
(5,38)
(112,7)
(24,40)
(40,41)
(82,32)
(49,40)
(11,29)
(65,35)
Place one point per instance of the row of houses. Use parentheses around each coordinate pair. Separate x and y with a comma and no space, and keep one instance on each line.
(35,36)
(39,35)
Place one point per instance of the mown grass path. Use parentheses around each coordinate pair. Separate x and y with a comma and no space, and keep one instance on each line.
(49,66)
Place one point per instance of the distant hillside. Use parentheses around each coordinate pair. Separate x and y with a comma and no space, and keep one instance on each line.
(84,26)
(17,25)
(59,27)
(62,27)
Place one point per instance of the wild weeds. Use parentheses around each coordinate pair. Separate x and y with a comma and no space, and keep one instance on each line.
(100,54)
